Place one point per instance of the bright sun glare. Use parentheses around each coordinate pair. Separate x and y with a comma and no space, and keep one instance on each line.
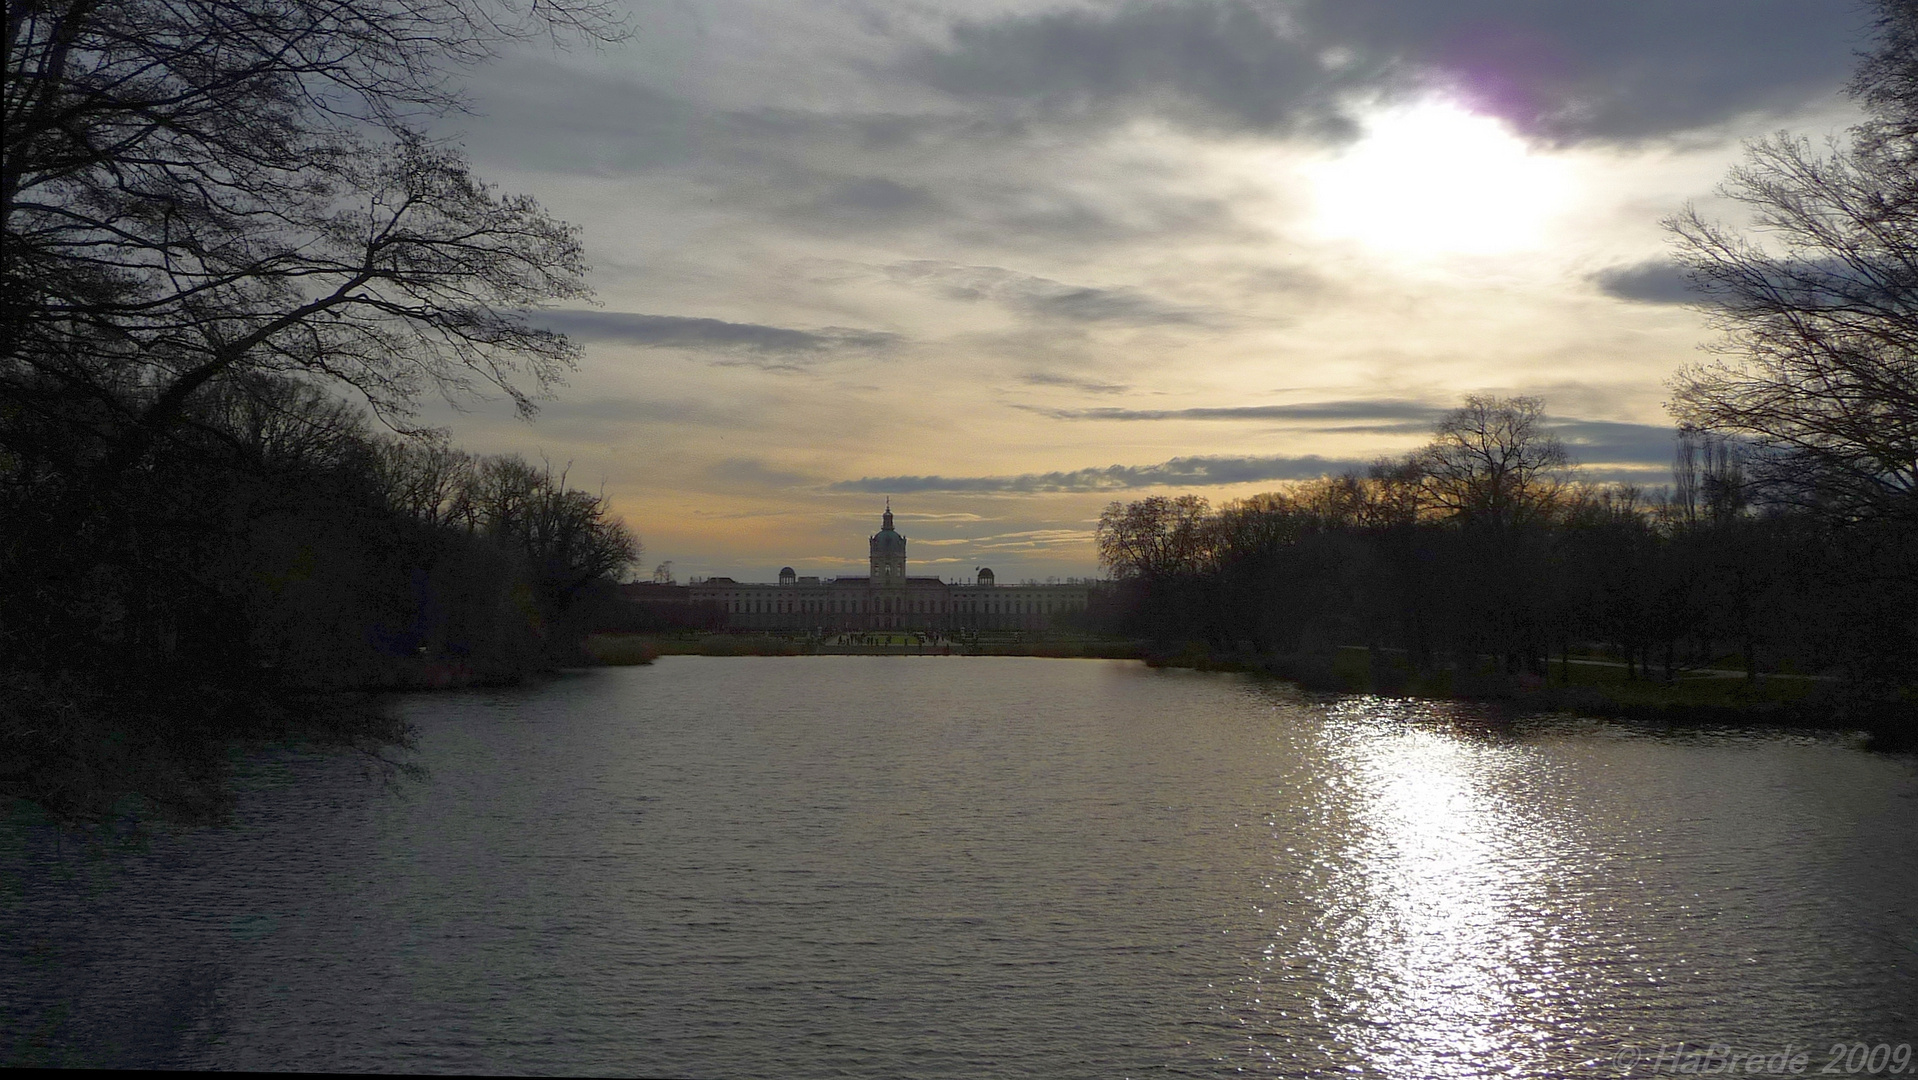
(1437,179)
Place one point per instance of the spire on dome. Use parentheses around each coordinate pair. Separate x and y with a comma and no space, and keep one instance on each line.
(886,522)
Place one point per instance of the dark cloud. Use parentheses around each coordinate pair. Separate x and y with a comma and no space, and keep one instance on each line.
(1619,450)
(1653,282)
(538,110)
(1622,70)
(561,117)
(1592,441)
(1384,414)
(1606,442)
(1225,62)
(1041,297)
(1625,70)
(1178,472)
(1089,386)
(876,195)
(1038,211)
(712,335)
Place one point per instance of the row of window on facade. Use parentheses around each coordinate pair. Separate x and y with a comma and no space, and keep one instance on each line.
(890,606)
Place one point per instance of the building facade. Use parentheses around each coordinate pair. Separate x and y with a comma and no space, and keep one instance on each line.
(888,598)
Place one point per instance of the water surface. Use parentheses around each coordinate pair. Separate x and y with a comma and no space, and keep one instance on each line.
(882,866)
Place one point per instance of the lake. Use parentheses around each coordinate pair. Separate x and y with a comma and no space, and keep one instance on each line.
(899,867)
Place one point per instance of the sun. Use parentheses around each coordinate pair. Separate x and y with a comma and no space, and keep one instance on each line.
(1436,179)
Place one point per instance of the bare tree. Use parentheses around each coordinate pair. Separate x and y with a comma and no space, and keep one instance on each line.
(197,188)
(1818,302)
(1492,463)
(424,478)
(1708,481)
(216,216)
(1155,536)
(568,536)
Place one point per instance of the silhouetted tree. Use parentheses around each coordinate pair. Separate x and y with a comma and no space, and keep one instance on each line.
(1492,464)
(1819,304)
(1155,535)
(196,188)
(566,536)
(215,215)
(1481,546)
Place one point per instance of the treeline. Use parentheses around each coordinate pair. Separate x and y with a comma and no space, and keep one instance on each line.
(246,575)
(217,219)
(1787,542)
(1481,551)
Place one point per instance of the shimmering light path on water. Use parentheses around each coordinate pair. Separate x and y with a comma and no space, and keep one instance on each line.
(880,866)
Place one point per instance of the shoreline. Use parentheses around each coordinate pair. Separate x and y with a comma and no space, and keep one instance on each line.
(625,649)
(1890,724)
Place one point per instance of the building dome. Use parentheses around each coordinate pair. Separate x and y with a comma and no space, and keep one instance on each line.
(887,540)
(985,575)
(888,552)
(786,575)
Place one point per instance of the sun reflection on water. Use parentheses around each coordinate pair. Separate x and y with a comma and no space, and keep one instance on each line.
(1442,919)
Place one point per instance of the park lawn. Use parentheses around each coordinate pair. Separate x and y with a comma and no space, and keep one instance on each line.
(1352,665)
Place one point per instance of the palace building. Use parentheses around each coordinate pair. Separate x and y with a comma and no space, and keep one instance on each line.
(887,599)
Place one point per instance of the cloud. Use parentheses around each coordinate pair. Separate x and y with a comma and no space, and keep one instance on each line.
(1384,414)
(1089,386)
(929,516)
(1024,540)
(767,345)
(753,473)
(1181,471)
(1034,539)
(1600,442)
(571,120)
(877,195)
(834,204)
(1040,297)
(1223,63)
(1620,71)
(1656,281)
(1606,442)
(611,418)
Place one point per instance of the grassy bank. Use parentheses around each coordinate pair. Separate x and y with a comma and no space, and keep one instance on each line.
(623,650)
(619,650)
(1588,688)
(1585,687)
(1063,650)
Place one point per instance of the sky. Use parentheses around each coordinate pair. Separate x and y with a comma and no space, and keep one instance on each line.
(1007,262)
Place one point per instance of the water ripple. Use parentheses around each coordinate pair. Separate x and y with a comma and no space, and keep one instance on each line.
(868,866)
